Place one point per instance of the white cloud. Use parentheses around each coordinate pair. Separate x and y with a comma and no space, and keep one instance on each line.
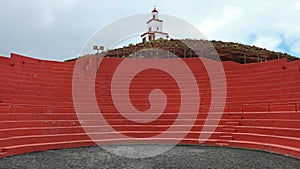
(270,43)
(213,25)
(261,23)
(51,10)
(296,48)
(55,29)
(297,5)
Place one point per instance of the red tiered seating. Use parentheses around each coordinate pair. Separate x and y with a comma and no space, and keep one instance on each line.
(37,113)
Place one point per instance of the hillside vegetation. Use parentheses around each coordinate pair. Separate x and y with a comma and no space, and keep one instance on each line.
(227,51)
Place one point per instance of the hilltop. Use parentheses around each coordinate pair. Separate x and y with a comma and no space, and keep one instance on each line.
(227,51)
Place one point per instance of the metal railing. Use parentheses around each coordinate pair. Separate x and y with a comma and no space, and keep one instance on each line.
(35,108)
(267,107)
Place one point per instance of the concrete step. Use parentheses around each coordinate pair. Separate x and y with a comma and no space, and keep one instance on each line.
(232,123)
(226,137)
(228,129)
(222,144)
(3,151)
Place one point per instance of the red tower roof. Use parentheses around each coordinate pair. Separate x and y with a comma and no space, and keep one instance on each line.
(154,10)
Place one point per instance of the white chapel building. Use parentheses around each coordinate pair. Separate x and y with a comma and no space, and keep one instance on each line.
(154,28)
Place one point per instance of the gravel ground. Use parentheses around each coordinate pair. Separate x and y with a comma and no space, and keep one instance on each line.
(178,157)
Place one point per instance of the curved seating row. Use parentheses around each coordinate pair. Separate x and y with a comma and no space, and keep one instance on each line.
(37,112)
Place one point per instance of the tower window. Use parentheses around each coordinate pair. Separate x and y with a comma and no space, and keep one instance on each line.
(150,29)
(153,16)
(158,28)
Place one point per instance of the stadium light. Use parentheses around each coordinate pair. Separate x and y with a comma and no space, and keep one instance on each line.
(98,48)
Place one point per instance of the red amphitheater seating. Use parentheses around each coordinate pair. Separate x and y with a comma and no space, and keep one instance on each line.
(37,113)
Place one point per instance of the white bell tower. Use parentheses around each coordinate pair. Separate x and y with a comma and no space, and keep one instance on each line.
(154,28)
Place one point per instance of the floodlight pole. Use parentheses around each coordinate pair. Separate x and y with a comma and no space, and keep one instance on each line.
(98,48)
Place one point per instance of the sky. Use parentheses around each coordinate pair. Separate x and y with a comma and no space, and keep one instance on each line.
(58,29)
